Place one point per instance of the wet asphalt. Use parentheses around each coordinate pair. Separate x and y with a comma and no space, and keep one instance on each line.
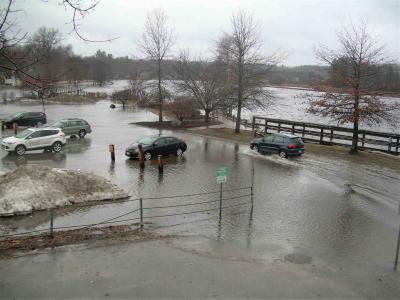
(319,209)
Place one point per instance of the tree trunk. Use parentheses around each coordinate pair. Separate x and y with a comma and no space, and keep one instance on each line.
(206,116)
(239,104)
(354,145)
(160,98)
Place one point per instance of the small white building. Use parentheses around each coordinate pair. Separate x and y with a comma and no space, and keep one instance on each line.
(12,80)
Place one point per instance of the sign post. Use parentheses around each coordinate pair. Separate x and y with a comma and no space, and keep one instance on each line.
(396,258)
(222,175)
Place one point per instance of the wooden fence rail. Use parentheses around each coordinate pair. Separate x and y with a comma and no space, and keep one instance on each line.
(329,135)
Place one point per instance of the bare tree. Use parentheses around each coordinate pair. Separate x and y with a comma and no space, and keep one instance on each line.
(248,67)
(354,64)
(203,81)
(157,40)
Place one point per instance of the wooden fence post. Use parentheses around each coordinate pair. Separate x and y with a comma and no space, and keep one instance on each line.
(279,127)
(293,128)
(321,137)
(304,129)
(266,126)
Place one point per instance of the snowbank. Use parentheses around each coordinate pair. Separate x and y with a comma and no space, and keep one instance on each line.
(36,187)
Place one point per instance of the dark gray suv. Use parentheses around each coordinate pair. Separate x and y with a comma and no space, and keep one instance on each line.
(283,144)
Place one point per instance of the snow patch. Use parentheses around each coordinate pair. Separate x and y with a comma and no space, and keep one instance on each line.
(37,187)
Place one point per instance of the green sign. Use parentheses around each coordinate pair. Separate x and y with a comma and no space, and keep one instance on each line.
(222,174)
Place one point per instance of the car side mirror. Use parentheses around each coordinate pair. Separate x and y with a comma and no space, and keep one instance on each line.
(28,138)
(155,145)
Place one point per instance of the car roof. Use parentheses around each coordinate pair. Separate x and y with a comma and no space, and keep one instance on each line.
(72,119)
(160,136)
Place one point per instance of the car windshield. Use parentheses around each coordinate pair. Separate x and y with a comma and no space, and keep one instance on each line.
(17,115)
(24,134)
(147,140)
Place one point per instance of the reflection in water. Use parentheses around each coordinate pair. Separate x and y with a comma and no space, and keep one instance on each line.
(141,177)
(236,153)
(76,145)
(111,169)
(12,161)
(160,177)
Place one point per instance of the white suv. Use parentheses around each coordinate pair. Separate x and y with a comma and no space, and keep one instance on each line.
(35,139)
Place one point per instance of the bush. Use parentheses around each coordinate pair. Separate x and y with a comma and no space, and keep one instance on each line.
(182,108)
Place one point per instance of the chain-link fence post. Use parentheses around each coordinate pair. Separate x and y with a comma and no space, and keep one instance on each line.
(141,212)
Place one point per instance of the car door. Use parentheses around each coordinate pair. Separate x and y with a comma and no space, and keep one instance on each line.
(75,127)
(46,137)
(266,144)
(67,128)
(23,120)
(32,119)
(160,147)
(33,141)
(277,143)
(171,145)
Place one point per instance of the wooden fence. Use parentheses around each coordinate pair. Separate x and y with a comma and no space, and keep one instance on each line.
(328,135)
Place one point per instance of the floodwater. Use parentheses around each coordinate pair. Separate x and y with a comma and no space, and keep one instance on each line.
(322,207)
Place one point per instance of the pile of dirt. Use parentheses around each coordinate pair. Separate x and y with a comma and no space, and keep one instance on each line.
(37,187)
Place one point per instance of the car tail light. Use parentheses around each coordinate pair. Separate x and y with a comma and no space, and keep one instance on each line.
(302,146)
(292,146)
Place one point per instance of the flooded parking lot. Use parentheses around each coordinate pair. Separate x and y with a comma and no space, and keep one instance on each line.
(326,207)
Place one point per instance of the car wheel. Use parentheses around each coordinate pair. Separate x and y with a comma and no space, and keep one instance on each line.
(20,150)
(147,156)
(57,147)
(179,152)
(82,133)
(39,124)
(282,154)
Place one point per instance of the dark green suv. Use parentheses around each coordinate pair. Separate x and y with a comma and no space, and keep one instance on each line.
(282,143)
(74,127)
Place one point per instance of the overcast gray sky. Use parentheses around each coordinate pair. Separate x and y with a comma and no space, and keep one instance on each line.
(291,26)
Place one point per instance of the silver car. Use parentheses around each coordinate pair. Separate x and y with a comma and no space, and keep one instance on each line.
(35,139)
